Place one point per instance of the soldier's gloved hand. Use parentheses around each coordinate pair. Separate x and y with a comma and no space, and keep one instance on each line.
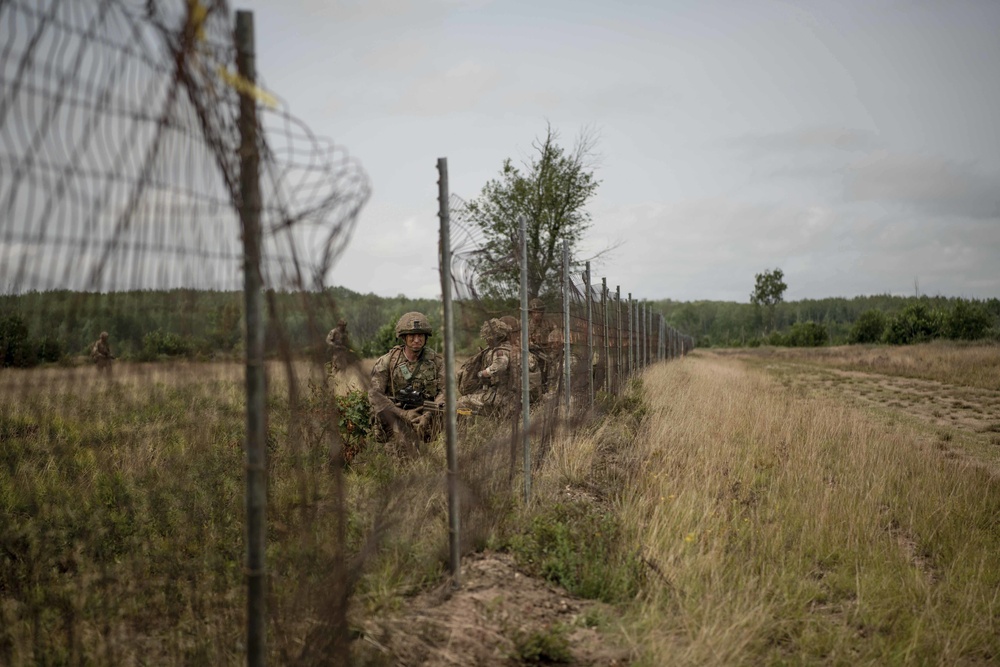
(412,416)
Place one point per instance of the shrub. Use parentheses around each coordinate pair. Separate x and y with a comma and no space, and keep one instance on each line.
(807,334)
(354,421)
(16,349)
(868,328)
(967,321)
(383,341)
(50,349)
(914,324)
(164,343)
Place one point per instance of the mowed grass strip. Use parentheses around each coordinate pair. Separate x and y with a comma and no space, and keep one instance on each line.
(790,529)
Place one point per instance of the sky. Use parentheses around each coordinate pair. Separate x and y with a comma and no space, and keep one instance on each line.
(853,144)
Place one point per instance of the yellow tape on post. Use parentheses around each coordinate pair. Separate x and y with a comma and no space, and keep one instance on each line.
(245,87)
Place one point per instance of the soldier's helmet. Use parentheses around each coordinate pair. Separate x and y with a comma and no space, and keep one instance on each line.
(341,323)
(536,304)
(104,335)
(413,323)
(512,323)
(494,331)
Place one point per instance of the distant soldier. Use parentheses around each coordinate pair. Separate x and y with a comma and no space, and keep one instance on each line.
(534,366)
(493,393)
(100,352)
(404,380)
(340,345)
(541,332)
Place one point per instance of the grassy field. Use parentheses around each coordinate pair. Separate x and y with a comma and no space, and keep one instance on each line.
(793,527)
(728,509)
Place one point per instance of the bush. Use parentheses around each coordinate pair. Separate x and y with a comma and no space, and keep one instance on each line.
(383,341)
(868,328)
(354,421)
(807,334)
(776,338)
(164,343)
(50,349)
(16,349)
(914,324)
(967,321)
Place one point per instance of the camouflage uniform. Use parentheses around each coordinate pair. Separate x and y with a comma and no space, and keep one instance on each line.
(423,377)
(493,381)
(337,339)
(100,352)
(541,332)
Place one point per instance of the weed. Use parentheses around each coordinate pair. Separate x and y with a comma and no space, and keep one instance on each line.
(547,646)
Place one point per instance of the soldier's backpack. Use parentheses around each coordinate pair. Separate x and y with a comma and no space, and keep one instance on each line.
(468,375)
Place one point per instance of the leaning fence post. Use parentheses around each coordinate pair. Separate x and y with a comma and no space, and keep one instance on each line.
(256,452)
(450,389)
(522,224)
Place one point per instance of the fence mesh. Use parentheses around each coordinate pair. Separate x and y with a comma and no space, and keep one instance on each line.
(121,455)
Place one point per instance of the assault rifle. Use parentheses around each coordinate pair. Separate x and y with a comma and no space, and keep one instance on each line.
(409,398)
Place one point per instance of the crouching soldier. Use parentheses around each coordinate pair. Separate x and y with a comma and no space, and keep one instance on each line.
(403,381)
(489,387)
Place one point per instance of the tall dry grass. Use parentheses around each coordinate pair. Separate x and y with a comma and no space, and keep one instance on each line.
(790,530)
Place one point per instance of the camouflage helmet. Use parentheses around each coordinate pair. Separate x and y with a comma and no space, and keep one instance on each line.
(413,323)
(494,330)
(536,304)
(341,323)
(104,334)
(512,323)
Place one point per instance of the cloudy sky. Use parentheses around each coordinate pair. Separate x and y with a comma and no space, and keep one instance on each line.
(855,144)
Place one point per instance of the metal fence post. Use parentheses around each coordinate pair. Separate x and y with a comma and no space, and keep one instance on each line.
(450,390)
(590,338)
(618,340)
(607,341)
(631,335)
(256,388)
(567,377)
(522,224)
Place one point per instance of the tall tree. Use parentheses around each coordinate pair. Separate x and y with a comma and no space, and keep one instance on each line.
(550,191)
(768,292)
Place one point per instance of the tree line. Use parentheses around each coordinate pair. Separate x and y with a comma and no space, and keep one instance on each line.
(202,324)
(893,320)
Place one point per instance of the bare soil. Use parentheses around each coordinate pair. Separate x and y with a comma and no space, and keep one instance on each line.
(491,619)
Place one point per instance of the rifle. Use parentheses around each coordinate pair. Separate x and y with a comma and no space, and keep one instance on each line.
(409,398)
(462,412)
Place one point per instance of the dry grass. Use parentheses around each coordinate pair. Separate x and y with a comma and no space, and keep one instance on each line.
(794,530)
(950,362)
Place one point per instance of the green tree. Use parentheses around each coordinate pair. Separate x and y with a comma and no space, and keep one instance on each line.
(916,323)
(551,192)
(768,292)
(967,321)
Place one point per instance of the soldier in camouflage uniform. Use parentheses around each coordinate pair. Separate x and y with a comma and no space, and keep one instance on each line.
(340,346)
(403,380)
(534,366)
(494,385)
(540,331)
(100,352)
